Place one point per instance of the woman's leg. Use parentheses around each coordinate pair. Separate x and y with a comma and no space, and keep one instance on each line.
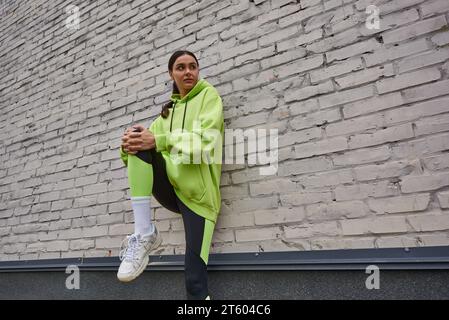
(145,172)
(140,178)
(198,233)
(162,188)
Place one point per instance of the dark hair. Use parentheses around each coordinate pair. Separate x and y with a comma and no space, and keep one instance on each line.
(165,112)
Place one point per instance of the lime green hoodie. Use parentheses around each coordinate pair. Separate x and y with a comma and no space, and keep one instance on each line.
(190,139)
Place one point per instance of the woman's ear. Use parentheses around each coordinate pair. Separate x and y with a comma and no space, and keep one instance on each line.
(171,75)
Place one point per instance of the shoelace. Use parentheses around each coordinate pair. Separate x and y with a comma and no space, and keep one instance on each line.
(128,251)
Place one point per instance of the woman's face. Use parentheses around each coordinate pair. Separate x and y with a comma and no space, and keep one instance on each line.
(185,73)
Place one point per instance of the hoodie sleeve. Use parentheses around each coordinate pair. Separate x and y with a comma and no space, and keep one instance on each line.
(205,141)
(124,156)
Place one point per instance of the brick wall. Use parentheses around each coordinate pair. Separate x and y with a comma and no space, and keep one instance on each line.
(362,114)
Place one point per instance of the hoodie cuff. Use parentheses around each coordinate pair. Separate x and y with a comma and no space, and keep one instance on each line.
(124,156)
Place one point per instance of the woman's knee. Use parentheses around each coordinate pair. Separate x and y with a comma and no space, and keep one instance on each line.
(145,155)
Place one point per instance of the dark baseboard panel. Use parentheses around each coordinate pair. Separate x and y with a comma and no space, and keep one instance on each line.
(419,258)
(414,273)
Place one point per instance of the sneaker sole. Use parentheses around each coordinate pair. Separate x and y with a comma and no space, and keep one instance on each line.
(144,264)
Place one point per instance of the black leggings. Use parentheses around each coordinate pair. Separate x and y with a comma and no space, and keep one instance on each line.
(198,230)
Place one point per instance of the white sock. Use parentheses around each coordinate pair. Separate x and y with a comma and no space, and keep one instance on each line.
(142,215)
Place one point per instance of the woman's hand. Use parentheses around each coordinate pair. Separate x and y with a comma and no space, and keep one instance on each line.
(132,142)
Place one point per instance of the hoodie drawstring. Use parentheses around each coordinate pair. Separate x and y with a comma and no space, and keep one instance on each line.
(183,118)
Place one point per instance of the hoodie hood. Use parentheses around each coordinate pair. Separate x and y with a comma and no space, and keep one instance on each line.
(200,85)
(176,98)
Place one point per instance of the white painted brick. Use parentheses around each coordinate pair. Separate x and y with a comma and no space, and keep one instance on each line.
(360,124)
(232,10)
(173,238)
(417,148)
(272,186)
(355,49)
(300,40)
(364,76)
(418,202)
(258,234)
(300,16)
(365,190)
(300,66)
(441,38)
(247,175)
(427,182)
(336,70)
(295,137)
(434,239)
(247,47)
(392,6)
(387,170)
(395,52)
(437,162)
(346,96)
(340,40)
(434,7)
(279,35)
(434,124)
(309,149)
(312,230)
(81,244)
(110,218)
(221,235)
(56,246)
(396,133)
(443,199)
(304,166)
(408,80)
(336,210)
(255,80)
(414,30)
(346,243)
(248,204)
(372,104)
(429,221)
(362,4)
(255,55)
(232,192)
(396,242)
(315,119)
(423,60)
(278,216)
(114,230)
(330,178)
(374,226)
(302,198)
(426,91)
(307,92)
(84,222)
(281,58)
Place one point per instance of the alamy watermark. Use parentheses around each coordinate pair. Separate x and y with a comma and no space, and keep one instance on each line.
(204,146)
(72,22)
(73,281)
(373,281)
(373,20)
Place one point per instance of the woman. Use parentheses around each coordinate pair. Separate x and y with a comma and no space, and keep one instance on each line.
(191,188)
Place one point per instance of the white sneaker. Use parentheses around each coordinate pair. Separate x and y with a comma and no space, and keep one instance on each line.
(134,255)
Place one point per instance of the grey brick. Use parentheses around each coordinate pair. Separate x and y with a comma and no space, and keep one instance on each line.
(416,29)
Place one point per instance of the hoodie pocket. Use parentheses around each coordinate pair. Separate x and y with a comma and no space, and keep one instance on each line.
(189,180)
